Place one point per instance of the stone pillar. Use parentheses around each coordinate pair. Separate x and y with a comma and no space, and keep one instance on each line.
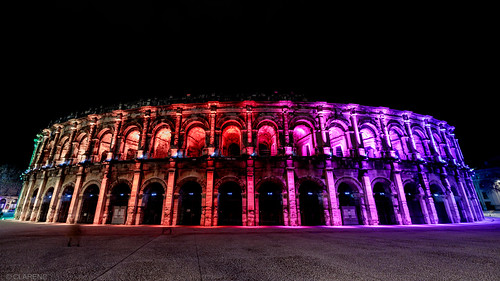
(450,203)
(287,145)
(250,146)
(52,152)
(92,141)
(324,139)
(409,132)
(51,216)
(250,194)
(143,146)
(400,191)
(39,198)
(37,141)
(211,145)
(434,148)
(474,199)
(169,196)
(209,195)
(114,147)
(71,139)
(26,199)
(100,217)
(335,216)
(357,144)
(371,208)
(178,116)
(74,198)
(431,217)
(133,200)
(386,140)
(39,156)
(292,203)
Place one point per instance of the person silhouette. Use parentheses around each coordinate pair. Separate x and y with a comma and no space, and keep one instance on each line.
(74,234)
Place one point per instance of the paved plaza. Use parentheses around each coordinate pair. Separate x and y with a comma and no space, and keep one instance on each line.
(38,251)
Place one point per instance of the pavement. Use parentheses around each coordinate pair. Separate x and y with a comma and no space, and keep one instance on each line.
(38,251)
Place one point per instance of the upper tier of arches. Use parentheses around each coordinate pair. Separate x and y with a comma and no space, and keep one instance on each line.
(231,129)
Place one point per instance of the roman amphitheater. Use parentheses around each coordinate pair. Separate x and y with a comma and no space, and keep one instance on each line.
(248,162)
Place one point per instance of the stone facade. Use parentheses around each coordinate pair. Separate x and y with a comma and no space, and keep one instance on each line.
(249,163)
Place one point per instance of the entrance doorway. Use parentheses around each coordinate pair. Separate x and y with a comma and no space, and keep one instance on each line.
(65,202)
(152,199)
(44,209)
(439,204)
(117,211)
(89,204)
(270,204)
(349,204)
(311,204)
(383,202)
(413,202)
(229,207)
(190,204)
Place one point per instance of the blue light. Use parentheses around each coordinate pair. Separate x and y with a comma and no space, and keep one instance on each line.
(50,196)
(435,194)
(309,193)
(121,194)
(91,195)
(269,193)
(191,193)
(229,193)
(347,193)
(382,193)
(153,194)
(69,195)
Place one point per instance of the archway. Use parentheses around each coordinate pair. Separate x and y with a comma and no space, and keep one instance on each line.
(229,206)
(383,202)
(189,204)
(66,196)
(89,204)
(413,202)
(311,204)
(44,208)
(439,204)
(31,205)
(459,203)
(270,204)
(118,202)
(152,200)
(349,204)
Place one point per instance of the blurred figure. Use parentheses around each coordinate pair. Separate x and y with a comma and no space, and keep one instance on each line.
(74,234)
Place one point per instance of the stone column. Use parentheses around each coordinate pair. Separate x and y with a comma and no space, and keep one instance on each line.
(400,191)
(132,202)
(357,144)
(92,141)
(335,216)
(292,203)
(114,147)
(74,198)
(409,132)
(52,152)
(169,196)
(371,208)
(469,214)
(45,140)
(429,201)
(143,146)
(288,145)
(442,131)
(450,203)
(39,198)
(324,140)
(209,195)
(250,193)
(250,147)
(71,139)
(51,216)
(37,141)
(100,208)
(26,198)
(178,116)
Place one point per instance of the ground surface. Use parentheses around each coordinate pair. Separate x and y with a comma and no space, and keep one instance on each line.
(30,251)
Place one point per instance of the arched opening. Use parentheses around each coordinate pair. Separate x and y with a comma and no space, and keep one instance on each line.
(162,143)
(152,200)
(303,139)
(338,142)
(460,206)
(31,205)
(311,204)
(229,206)
(231,140)
(267,141)
(189,204)
(44,208)
(195,142)
(89,204)
(66,196)
(417,137)
(82,148)
(395,136)
(104,146)
(131,145)
(270,204)
(383,202)
(413,202)
(439,204)
(349,204)
(369,139)
(118,202)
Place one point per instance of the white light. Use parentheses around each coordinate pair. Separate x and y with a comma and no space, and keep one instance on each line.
(191,193)
(347,193)
(309,193)
(229,193)
(382,193)
(269,193)
(121,194)
(153,194)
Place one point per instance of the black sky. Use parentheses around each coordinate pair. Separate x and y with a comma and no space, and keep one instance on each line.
(71,55)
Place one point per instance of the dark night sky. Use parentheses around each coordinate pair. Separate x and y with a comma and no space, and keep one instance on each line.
(71,56)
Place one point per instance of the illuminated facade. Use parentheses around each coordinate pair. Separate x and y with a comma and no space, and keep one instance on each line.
(249,163)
